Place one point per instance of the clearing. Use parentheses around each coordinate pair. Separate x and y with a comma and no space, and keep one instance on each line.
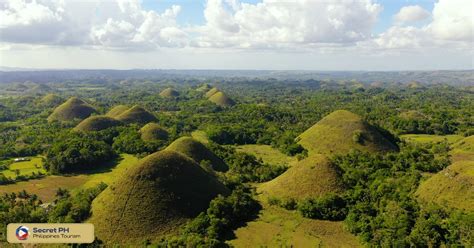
(268,154)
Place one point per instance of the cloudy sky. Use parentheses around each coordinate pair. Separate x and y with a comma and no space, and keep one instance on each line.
(238,34)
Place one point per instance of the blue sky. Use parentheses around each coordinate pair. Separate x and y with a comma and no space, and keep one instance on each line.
(192,10)
(285,34)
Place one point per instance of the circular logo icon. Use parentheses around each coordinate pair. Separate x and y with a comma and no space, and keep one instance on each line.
(22,233)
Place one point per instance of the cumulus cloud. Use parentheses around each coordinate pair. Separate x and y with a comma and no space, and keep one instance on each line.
(453,20)
(109,24)
(277,23)
(411,13)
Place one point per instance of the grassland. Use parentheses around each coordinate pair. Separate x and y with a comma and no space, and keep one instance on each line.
(277,227)
(221,99)
(268,154)
(46,187)
(96,123)
(25,168)
(427,138)
(136,114)
(73,108)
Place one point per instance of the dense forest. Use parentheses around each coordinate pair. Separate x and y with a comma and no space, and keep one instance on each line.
(375,193)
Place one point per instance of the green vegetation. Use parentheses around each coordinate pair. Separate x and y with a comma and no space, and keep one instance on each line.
(342,131)
(23,168)
(169,93)
(153,132)
(159,195)
(73,108)
(96,123)
(77,153)
(136,114)
(309,178)
(198,152)
(211,92)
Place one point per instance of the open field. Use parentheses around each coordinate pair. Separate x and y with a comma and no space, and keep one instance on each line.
(268,154)
(25,168)
(46,187)
(277,227)
(426,138)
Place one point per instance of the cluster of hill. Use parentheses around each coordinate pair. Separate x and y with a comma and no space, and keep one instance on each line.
(77,109)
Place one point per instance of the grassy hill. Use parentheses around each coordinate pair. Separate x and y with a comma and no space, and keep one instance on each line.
(153,199)
(221,99)
(412,115)
(342,131)
(463,150)
(73,108)
(204,88)
(311,177)
(169,93)
(51,100)
(431,138)
(152,132)
(197,151)
(452,187)
(268,154)
(96,123)
(136,114)
(117,110)
(211,92)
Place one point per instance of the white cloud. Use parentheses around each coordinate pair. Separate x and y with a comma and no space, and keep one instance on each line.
(453,20)
(102,24)
(277,23)
(411,13)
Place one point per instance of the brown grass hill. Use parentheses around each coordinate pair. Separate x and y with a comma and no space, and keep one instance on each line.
(117,110)
(415,85)
(51,100)
(96,123)
(452,187)
(152,132)
(212,92)
(169,93)
(342,131)
(73,108)
(312,177)
(136,114)
(221,99)
(204,88)
(198,152)
(153,199)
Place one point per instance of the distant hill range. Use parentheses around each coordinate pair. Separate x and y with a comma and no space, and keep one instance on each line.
(451,77)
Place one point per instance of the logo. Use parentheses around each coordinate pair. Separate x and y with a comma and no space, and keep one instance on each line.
(22,233)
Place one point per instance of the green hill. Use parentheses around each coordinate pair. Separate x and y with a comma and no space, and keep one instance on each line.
(136,114)
(342,131)
(463,150)
(169,93)
(221,99)
(211,92)
(96,123)
(155,198)
(51,100)
(204,88)
(117,110)
(72,109)
(452,187)
(197,151)
(152,132)
(309,178)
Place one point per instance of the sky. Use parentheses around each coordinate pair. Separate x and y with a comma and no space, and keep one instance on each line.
(379,35)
